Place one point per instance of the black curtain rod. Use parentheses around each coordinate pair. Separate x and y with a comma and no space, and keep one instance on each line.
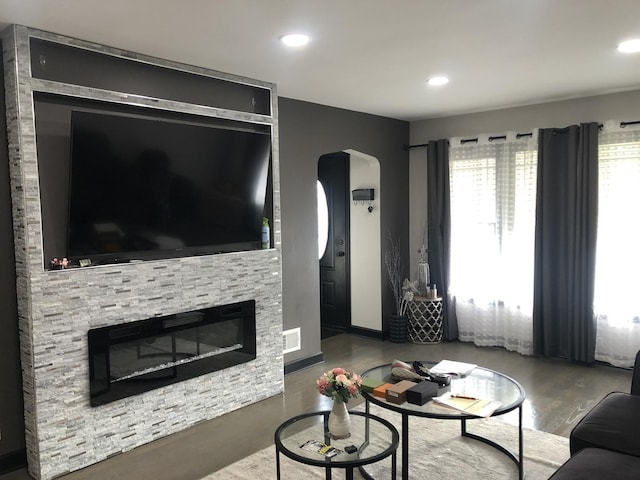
(499,137)
(470,140)
(504,137)
(409,147)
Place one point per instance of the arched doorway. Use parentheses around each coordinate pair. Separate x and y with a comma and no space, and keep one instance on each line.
(350,263)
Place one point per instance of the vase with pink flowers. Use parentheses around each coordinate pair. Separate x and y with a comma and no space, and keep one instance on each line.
(340,385)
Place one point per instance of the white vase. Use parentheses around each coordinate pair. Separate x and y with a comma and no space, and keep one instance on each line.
(339,420)
(424,278)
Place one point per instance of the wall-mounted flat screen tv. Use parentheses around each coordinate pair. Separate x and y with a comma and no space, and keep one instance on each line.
(144,187)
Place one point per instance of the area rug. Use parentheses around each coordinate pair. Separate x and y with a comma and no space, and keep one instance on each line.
(436,451)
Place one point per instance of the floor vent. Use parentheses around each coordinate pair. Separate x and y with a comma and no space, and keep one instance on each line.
(291,340)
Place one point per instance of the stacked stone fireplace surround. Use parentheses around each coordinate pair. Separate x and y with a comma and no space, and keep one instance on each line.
(57,308)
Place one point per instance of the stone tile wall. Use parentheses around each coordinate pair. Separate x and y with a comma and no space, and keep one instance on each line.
(57,308)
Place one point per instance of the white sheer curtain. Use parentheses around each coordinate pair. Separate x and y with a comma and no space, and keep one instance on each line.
(493,192)
(617,284)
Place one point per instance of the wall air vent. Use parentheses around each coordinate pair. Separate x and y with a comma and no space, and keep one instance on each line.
(291,340)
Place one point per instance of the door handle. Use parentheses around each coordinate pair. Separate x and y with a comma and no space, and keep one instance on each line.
(340,254)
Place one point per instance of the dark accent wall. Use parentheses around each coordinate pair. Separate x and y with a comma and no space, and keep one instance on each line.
(11,410)
(308,131)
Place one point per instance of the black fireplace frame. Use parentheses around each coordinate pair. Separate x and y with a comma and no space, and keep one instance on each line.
(174,365)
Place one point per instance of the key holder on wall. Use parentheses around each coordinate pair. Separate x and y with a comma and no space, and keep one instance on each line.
(365,196)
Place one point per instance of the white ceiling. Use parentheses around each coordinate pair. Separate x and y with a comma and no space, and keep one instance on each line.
(374,55)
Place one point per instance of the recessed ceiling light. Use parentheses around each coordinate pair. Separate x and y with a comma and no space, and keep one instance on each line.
(437,81)
(630,46)
(295,40)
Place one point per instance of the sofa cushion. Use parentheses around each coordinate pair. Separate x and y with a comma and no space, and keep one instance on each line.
(613,424)
(596,463)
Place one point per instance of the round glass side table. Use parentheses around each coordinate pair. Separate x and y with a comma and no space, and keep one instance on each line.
(374,438)
(481,383)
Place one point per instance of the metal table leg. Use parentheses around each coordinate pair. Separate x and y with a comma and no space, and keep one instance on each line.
(405,446)
(518,460)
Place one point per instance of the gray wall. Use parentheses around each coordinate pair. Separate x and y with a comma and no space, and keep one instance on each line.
(11,417)
(308,131)
(622,106)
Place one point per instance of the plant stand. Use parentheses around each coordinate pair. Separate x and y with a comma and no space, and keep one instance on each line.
(425,320)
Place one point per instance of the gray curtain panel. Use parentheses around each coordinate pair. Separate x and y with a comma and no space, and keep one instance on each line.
(566,227)
(439,230)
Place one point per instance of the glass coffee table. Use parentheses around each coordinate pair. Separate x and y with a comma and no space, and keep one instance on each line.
(375,439)
(480,383)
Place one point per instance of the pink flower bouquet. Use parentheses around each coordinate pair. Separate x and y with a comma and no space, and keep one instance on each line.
(339,384)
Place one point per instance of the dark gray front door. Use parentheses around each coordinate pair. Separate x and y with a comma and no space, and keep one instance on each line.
(335,302)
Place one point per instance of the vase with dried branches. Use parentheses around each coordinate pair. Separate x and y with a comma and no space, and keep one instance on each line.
(403,290)
(395,271)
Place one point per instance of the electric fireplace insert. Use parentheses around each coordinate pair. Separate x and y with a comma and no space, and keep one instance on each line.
(135,357)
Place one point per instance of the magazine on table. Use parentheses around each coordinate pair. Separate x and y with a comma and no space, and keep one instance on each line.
(479,407)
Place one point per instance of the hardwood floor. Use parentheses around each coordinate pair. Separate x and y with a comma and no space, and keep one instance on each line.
(558,394)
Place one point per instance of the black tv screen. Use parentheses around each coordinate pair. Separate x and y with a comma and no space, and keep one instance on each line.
(150,187)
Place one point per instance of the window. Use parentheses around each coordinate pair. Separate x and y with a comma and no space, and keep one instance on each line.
(493,194)
(618,252)
(323,220)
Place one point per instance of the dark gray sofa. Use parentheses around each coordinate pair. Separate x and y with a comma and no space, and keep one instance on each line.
(598,463)
(606,442)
